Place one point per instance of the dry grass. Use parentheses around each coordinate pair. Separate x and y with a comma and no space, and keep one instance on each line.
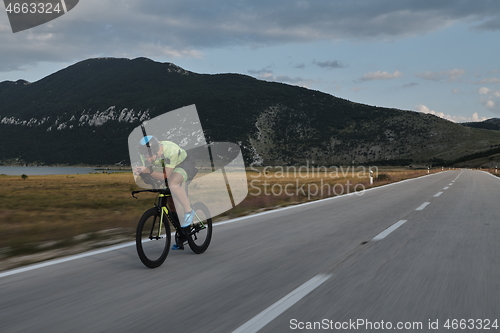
(42,210)
(40,213)
(271,188)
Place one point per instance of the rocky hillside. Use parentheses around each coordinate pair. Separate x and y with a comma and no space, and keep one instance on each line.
(84,114)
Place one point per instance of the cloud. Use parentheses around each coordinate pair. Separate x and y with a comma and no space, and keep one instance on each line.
(409,85)
(475,117)
(260,71)
(450,75)
(357,89)
(378,75)
(300,66)
(484,91)
(490,105)
(456,119)
(288,79)
(490,25)
(490,99)
(489,80)
(184,28)
(329,64)
(267,74)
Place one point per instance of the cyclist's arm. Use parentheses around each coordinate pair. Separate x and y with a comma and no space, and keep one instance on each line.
(162,175)
(140,169)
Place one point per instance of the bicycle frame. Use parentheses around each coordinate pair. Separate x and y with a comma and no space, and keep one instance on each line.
(162,205)
(164,211)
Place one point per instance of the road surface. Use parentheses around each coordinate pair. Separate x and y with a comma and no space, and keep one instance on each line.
(411,255)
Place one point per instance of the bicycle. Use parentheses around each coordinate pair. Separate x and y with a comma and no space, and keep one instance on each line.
(153,232)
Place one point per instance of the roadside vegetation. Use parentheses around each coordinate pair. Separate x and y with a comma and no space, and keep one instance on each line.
(43,217)
(493,171)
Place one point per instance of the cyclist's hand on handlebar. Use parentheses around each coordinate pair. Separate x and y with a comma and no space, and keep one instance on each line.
(140,169)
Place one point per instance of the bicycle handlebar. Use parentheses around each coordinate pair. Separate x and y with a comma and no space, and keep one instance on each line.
(156,190)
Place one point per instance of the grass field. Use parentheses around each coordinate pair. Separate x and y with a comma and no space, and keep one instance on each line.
(42,213)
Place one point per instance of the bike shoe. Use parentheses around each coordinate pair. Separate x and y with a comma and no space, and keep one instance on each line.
(186,231)
(177,247)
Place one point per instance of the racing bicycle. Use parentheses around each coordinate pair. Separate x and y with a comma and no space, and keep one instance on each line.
(153,235)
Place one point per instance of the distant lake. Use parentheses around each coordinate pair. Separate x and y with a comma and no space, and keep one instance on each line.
(38,171)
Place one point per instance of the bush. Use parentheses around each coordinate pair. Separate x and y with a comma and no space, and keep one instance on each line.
(383,176)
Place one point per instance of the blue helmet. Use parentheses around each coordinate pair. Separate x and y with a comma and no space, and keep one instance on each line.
(149,145)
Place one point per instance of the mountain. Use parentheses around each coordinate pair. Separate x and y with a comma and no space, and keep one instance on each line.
(84,113)
(490,124)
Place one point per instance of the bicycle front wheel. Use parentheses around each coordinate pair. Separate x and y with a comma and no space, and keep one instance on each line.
(152,238)
(200,233)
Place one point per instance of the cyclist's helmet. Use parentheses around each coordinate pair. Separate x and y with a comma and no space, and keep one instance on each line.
(149,145)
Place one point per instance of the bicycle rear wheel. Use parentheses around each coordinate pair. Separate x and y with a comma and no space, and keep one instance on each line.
(200,233)
(152,238)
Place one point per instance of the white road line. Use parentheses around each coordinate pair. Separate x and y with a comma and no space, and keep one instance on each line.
(422,206)
(387,231)
(266,316)
(446,188)
(450,184)
(64,259)
(438,194)
(492,175)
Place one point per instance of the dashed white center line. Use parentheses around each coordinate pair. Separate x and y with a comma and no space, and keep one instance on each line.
(266,316)
(446,188)
(422,206)
(387,231)
(438,194)
(450,184)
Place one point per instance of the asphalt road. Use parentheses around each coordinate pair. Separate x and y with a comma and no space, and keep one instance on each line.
(411,255)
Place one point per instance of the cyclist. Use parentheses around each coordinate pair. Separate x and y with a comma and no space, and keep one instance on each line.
(166,160)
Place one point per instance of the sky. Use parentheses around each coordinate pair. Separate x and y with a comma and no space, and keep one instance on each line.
(437,56)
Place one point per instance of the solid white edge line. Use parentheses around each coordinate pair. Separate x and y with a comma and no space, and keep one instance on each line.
(64,259)
(422,206)
(266,316)
(112,248)
(437,194)
(387,231)
(492,175)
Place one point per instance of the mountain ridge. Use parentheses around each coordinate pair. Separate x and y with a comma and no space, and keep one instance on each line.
(67,116)
(490,124)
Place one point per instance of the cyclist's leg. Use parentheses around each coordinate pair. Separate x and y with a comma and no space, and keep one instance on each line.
(175,184)
(180,237)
